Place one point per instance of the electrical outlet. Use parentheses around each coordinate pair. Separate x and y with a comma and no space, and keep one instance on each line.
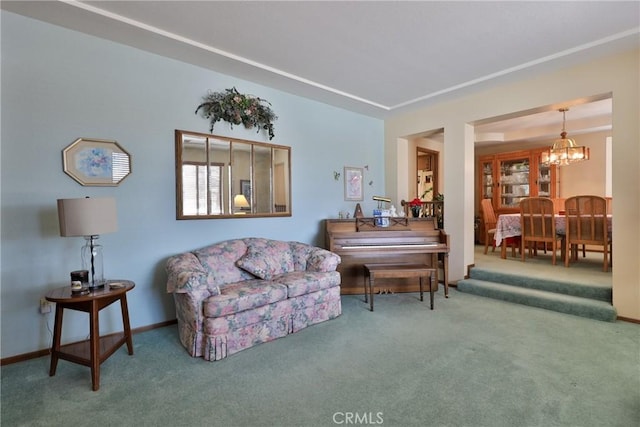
(45,306)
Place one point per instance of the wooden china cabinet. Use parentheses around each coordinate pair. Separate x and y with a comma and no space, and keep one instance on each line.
(507,178)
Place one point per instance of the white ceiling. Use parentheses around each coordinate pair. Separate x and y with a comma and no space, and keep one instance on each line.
(376,58)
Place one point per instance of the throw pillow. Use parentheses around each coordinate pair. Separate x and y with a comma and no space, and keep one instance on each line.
(267,261)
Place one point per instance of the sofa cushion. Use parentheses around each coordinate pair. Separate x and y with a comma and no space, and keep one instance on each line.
(220,261)
(304,282)
(245,295)
(267,258)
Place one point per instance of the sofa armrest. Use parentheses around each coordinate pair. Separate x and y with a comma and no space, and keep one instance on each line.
(185,274)
(322,260)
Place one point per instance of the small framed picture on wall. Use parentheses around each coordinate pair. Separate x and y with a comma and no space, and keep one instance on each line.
(353,189)
(245,188)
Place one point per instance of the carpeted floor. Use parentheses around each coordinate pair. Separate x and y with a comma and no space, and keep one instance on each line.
(582,289)
(587,270)
(472,361)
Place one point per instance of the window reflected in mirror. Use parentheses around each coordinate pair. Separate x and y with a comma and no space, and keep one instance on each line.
(219,177)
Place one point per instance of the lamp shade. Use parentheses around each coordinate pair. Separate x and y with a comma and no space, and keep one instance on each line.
(240,201)
(87,216)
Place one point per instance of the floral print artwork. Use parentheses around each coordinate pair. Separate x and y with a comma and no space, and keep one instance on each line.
(95,162)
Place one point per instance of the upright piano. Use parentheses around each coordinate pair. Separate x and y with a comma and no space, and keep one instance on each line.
(359,241)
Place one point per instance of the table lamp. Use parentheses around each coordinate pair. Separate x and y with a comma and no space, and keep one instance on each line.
(89,217)
(240,202)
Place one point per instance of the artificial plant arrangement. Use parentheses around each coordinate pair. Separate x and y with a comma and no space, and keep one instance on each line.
(237,108)
(415,205)
(427,191)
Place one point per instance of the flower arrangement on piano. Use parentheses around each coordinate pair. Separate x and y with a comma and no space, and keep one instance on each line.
(415,205)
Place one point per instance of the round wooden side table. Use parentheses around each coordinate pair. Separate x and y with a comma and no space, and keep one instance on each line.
(97,349)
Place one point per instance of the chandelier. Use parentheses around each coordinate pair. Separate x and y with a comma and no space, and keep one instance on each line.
(564,150)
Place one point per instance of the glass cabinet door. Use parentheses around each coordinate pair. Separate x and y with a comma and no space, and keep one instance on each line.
(514,182)
(545,179)
(486,178)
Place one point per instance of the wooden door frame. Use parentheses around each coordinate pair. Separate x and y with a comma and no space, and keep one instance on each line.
(434,157)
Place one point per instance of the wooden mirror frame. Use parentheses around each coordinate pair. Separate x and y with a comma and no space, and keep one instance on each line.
(222,168)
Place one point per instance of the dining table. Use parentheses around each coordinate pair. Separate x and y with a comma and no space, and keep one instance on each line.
(509,226)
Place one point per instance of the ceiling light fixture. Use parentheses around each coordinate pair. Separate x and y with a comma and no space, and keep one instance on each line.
(564,150)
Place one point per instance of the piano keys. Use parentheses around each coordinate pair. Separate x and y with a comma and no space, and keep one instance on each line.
(408,240)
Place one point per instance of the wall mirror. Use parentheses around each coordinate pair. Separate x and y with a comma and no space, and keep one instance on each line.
(222,177)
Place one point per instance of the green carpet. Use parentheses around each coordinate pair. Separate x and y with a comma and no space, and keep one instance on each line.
(550,300)
(470,362)
(583,289)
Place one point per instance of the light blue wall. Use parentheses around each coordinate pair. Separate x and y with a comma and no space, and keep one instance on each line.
(58,85)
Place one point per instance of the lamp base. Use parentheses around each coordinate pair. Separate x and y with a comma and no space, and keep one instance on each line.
(93,286)
(92,262)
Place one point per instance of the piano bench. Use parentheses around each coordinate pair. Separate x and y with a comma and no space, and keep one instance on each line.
(398,271)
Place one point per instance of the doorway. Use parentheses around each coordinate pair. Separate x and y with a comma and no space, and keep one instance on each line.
(427,173)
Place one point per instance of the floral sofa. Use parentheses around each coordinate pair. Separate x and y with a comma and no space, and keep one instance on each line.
(235,294)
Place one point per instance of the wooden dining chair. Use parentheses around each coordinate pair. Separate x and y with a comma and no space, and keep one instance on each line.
(489,219)
(609,205)
(587,224)
(538,224)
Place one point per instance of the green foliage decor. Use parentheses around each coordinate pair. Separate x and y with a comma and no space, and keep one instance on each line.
(237,108)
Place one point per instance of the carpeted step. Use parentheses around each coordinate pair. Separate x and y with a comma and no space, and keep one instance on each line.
(601,293)
(577,306)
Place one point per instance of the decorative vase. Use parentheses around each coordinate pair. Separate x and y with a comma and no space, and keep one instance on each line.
(415,211)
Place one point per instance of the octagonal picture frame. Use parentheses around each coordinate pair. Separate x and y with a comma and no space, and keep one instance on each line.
(96,162)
